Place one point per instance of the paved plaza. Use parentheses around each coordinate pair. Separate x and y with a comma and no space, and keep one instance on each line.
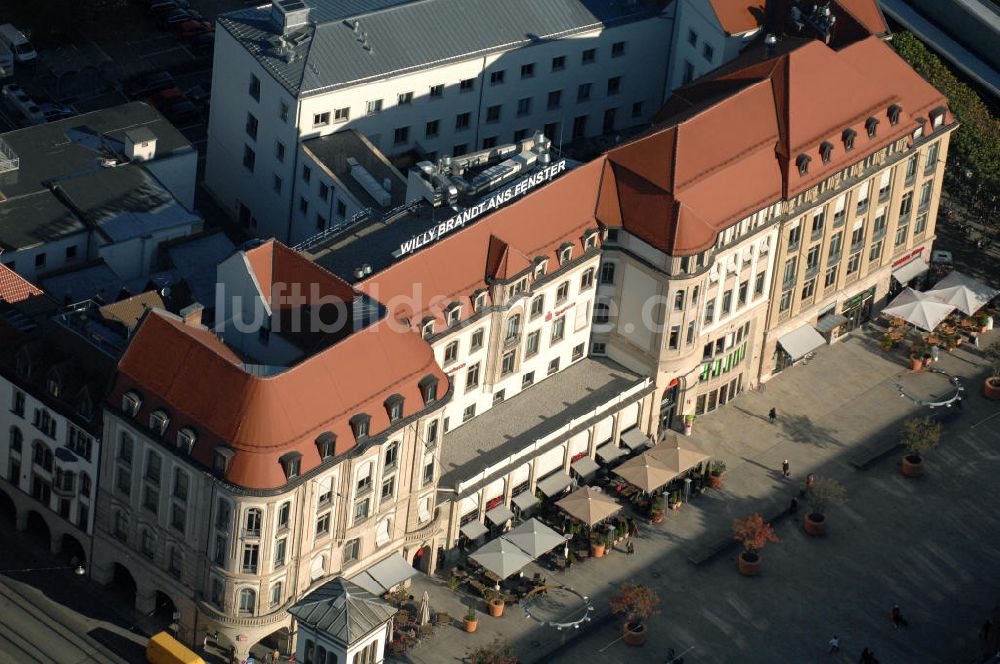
(931,545)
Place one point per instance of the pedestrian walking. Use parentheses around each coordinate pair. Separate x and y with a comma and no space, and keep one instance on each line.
(810,481)
(630,548)
(785,467)
(834,644)
(773,416)
(275,656)
(793,506)
(897,617)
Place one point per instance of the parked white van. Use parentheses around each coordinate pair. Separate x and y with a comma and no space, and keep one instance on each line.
(15,40)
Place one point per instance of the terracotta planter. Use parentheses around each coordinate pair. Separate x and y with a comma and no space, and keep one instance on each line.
(633,636)
(714,481)
(916,363)
(597,550)
(749,563)
(656,517)
(991,388)
(912,466)
(495,608)
(687,428)
(814,524)
(471,625)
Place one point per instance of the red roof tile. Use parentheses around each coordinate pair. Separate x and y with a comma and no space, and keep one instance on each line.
(739,16)
(15,288)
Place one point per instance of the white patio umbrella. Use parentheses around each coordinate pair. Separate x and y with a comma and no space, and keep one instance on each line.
(501,557)
(964,292)
(424,610)
(534,538)
(922,310)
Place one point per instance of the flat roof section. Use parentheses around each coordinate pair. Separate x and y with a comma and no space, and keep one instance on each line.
(532,414)
(333,151)
(34,220)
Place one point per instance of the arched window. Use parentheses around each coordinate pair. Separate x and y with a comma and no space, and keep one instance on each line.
(248,601)
(42,455)
(16,439)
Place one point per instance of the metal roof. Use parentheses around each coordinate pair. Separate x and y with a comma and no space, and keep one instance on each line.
(395,37)
(343,610)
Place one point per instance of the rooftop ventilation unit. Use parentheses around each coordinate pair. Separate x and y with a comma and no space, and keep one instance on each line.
(9,160)
(288,15)
(368,183)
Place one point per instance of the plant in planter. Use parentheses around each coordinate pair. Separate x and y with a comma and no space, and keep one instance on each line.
(598,544)
(753,533)
(688,424)
(656,510)
(919,435)
(716,470)
(917,351)
(824,492)
(495,601)
(454,582)
(471,619)
(991,388)
(496,651)
(638,603)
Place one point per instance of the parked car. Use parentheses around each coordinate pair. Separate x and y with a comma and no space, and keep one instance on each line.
(164,97)
(189,30)
(15,40)
(181,111)
(147,84)
(53,112)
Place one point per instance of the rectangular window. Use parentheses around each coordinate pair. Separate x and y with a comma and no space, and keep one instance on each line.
(906,204)
(251,126)
(583,92)
(555,99)
(637,109)
(388,488)
(758,285)
(679,301)
(831,277)
(553,366)
(254,87)
(562,293)
(250,555)
(352,550)
(741,299)
(321,119)
(493,114)
(469,412)
(558,329)
(836,244)
(875,252)
(472,377)
(374,106)
(361,510)
(618,49)
(794,235)
(614,85)
(467,85)
(920,224)
(507,363)
(276,593)
(451,352)
(401,135)
(690,333)
(559,63)
(688,72)
(276,183)
(812,258)
(463,121)
(579,126)
(853,263)
(786,301)
(788,277)
(531,347)
(283,111)
(524,106)
(709,312)
(497,77)
(589,56)
(577,352)
(673,341)
(431,129)
(476,342)
(707,51)
(404,98)
(528,379)
(692,37)
(249,158)
(528,70)
(607,273)
(341,114)
(925,195)
(808,289)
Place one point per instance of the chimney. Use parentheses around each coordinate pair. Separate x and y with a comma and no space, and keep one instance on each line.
(191,314)
(286,15)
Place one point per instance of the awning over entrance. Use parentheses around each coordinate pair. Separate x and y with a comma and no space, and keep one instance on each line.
(610,452)
(554,484)
(635,439)
(802,341)
(473,529)
(524,500)
(499,515)
(828,322)
(585,466)
(904,274)
(391,571)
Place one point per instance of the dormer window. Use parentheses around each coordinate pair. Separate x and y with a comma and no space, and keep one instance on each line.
(292,464)
(825,150)
(325,444)
(427,327)
(359,425)
(479,300)
(221,459)
(871,126)
(54,384)
(185,439)
(541,267)
(893,113)
(454,313)
(565,253)
(802,162)
(848,138)
(158,421)
(590,239)
(937,116)
(428,389)
(131,403)
(394,407)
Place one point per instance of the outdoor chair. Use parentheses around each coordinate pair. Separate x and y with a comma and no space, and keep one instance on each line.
(442,619)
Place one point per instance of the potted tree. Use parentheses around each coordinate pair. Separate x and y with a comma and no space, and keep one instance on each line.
(471,619)
(495,601)
(716,469)
(991,388)
(688,424)
(656,510)
(598,544)
(637,603)
(753,532)
(824,492)
(496,651)
(917,352)
(919,435)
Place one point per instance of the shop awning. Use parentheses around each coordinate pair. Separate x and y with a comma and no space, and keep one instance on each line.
(501,557)
(553,485)
(634,439)
(830,321)
(473,529)
(534,538)
(499,515)
(798,343)
(589,505)
(391,571)
(585,466)
(524,500)
(610,452)
(904,274)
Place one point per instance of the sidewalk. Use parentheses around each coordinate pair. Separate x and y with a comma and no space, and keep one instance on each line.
(844,398)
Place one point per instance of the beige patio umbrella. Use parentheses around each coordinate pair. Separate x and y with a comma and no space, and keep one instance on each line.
(678,454)
(424,610)
(645,472)
(589,505)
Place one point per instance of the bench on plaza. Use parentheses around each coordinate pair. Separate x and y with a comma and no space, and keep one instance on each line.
(869,455)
